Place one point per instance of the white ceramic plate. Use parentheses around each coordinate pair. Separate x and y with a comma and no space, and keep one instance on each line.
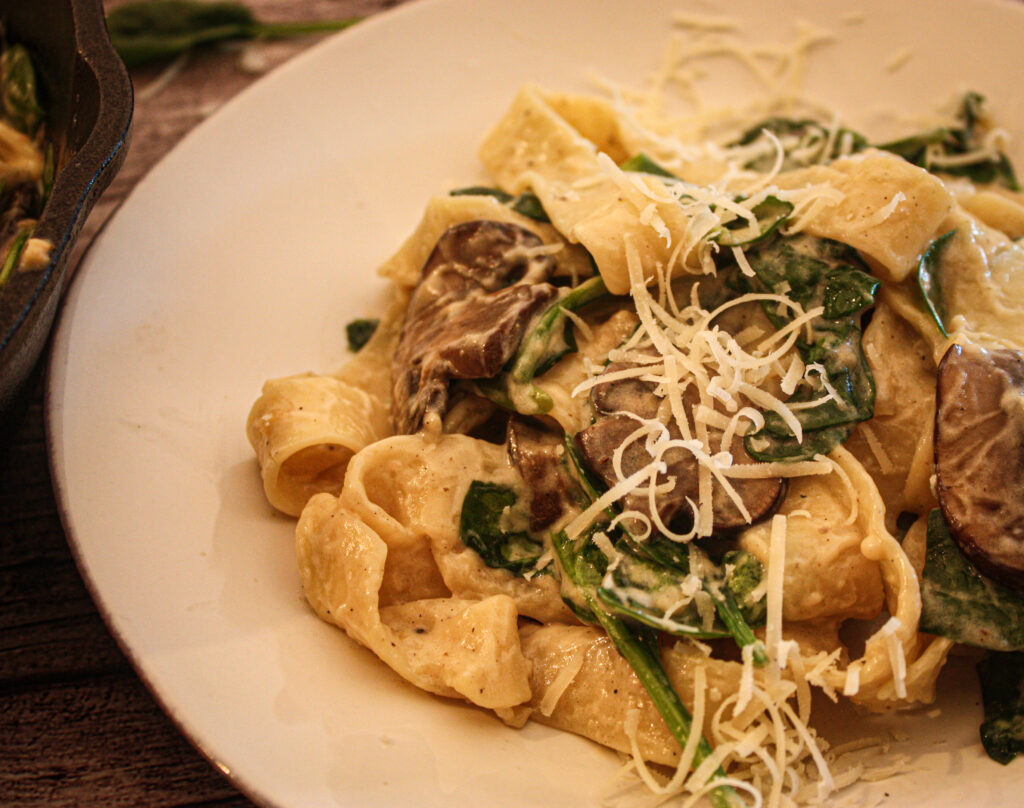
(242,256)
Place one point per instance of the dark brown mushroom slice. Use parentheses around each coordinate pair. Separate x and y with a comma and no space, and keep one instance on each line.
(760,496)
(631,394)
(538,452)
(979,457)
(598,443)
(612,427)
(478,291)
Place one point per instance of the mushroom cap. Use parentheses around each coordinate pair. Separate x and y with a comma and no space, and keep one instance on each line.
(478,291)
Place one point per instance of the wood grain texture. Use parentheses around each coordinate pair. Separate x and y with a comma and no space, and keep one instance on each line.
(77,726)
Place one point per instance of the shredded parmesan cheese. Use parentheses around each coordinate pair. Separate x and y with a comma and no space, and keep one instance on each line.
(561,682)
(776,569)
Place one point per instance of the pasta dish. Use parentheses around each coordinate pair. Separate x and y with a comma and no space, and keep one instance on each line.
(659,437)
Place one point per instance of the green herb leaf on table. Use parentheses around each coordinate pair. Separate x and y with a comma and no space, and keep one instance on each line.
(159,30)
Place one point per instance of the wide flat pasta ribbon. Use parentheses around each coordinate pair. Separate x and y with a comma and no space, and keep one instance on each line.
(304,430)
(448,646)
(888,209)
(535,148)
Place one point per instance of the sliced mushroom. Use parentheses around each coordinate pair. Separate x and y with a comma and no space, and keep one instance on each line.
(538,454)
(615,404)
(625,395)
(478,291)
(979,457)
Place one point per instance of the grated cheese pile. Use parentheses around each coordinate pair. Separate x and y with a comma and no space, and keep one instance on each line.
(761,734)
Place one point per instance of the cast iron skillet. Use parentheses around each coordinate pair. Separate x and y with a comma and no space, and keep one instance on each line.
(88,100)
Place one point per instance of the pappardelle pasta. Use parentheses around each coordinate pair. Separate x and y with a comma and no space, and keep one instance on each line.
(650,431)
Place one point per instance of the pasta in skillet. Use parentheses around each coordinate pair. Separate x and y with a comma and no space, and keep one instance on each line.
(644,430)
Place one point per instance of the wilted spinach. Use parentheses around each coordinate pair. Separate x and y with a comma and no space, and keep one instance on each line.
(805,142)
(768,214)
(652,572)
(526,204)
(808,142)
(929,279)
(21,200)
(548,340)
(642,164)
(960,603)
(485,512)
(816,272)
(19,90)
(928,149)
(583,567)
(1002,692)
(358,332)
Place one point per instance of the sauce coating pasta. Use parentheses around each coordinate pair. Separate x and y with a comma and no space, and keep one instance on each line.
(648,429)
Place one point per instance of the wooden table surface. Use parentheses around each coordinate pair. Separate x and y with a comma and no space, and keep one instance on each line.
(77,726)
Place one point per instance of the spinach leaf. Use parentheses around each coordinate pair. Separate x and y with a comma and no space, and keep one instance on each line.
(529,205)
(960,603)
(583,566)
(816,272)
(928,149)
(652,573)
(21,200)
(648,593)
(651,578)
(804,141)
(768,214)
(808,142)
(744,573)
(485,510)
(526,204)
(929,279)
(483,190)
(642,164)
(156,30)
(14,251)
(358,332)
(1002,692)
